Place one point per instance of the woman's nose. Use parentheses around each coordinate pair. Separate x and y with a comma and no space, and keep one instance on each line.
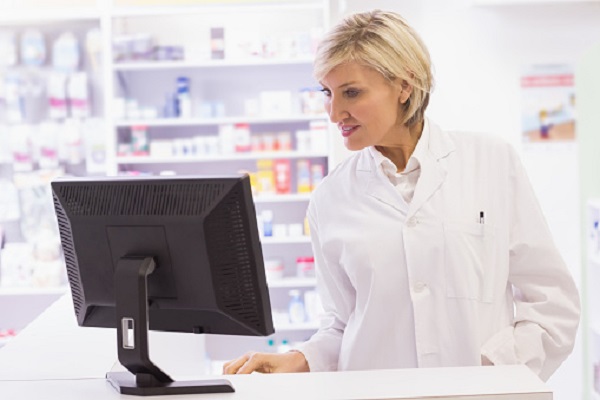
(336,110)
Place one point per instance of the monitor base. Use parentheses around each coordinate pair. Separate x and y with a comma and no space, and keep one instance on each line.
(127,383)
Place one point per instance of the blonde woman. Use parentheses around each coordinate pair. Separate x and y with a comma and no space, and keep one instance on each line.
(431,249)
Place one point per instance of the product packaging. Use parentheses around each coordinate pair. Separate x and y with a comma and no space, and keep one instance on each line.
(284,141)
(183,105)
(317,172)
(312,305)
(77,95)
(21,147)
(276,103)
(303,144)
(318,136)
(14,98)
(8,49)
(312,101)
(267,222)
(33,48)
(303,176)
(71,142)
(265,177)
(242,137)
(283,177)
(305,267)
(93,48)
(227,139)
(139,140)
(217,43)
(295,230)
(65,53)
(95,145)
(296,308)
(47,140)
(280,230)
(274,269)
(57,95)
(9,201)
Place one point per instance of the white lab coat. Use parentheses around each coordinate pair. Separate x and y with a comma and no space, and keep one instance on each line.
(495,289)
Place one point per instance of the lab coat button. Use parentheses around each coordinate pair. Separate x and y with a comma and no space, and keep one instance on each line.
(419,287)
(412,222)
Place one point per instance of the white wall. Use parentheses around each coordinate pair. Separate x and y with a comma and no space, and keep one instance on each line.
(478,53)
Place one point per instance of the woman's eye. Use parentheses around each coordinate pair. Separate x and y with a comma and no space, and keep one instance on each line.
(351,93)
(326,92)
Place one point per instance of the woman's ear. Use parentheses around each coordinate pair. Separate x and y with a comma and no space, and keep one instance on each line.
(405,92)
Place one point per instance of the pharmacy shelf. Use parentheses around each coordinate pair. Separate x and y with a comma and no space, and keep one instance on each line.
(282,198)
(285,240)
(29,16)
(306,326)
(292,283)
(271,155)
(32,291)
(259,6)
(219,121)
(162,65)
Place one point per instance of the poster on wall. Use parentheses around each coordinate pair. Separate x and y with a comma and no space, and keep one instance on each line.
(548,105)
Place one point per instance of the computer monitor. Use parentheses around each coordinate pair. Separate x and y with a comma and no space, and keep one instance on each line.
(179,254)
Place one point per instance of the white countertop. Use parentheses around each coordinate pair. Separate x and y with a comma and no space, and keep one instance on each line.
(55,359)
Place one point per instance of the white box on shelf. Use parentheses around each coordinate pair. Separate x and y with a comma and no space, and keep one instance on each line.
(276,102)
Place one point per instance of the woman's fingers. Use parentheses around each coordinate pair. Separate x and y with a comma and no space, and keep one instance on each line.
(256,362)
(232,367)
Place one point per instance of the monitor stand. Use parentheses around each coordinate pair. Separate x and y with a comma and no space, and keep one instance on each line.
(144,378)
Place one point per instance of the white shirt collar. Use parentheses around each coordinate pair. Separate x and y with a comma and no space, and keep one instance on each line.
(415,160)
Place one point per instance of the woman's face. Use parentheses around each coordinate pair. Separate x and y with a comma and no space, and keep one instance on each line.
(364,105)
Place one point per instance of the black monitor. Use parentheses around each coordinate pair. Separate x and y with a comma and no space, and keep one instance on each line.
(179,254)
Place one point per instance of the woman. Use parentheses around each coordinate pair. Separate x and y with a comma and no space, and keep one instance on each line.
(430,246)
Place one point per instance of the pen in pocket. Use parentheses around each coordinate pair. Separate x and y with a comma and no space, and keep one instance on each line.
(481,217)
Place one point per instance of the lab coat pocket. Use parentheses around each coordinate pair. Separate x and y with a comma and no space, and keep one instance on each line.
(469,251)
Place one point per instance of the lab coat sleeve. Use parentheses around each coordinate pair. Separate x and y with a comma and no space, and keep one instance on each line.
(337,294)
(547,305)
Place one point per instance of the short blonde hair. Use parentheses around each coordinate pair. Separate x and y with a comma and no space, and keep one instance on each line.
(383,41)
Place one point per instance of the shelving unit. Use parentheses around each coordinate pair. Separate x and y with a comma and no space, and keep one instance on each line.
(19,305)
(173,122)
(218,158)
(160,65)
(229,81)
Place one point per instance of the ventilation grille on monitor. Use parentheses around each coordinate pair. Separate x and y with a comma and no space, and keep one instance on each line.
(141,199)
(234,275)
(70,257)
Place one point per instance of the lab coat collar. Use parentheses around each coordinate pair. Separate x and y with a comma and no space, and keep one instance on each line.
(433,172)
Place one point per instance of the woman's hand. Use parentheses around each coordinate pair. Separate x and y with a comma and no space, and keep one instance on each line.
(269,363)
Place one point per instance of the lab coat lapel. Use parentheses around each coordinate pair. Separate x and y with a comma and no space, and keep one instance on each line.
(375,186)
(433,168)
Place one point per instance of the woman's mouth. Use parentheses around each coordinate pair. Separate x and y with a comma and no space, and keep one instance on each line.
(348,130)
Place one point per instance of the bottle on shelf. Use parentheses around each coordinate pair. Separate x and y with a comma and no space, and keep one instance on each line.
(183,101)
(296,308)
